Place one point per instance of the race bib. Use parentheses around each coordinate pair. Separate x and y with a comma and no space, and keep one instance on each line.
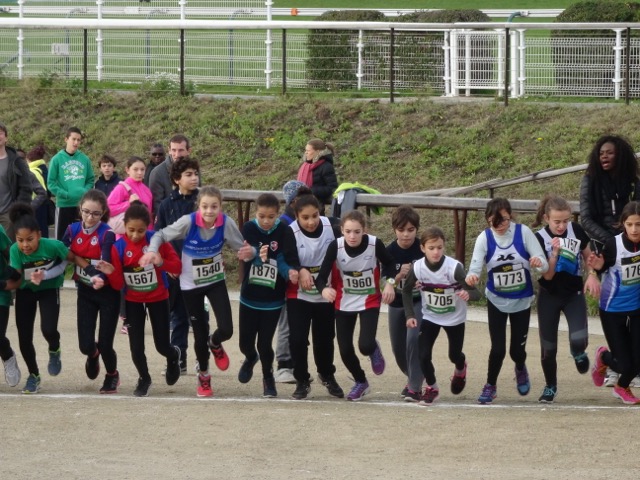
(314,273)
(439,300)
(509,278)
(630,271)
(569,248)
(265,275)
(32,267)
(359,283)
(141,279)
(207,270)
(86,279)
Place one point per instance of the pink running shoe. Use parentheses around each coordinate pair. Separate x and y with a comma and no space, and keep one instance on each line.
(429,396)
(219,355)
(599,369)
(625,395)
(204,386)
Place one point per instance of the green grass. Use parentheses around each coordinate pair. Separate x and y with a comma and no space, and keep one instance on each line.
(424,4)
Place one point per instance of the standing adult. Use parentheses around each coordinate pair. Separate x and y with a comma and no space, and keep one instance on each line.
(162,186)
(156,157)
(317,170)
(70,176)
(160,179)
(15,181)
(610,183)
(38,167)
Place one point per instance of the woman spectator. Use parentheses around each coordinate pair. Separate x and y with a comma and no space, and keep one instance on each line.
(317,171)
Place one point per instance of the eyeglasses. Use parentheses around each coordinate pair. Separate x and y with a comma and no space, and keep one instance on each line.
(157,154)
(89,213)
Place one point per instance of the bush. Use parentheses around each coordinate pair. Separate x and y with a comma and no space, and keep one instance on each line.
(332,58)
(420,57)
(587,66)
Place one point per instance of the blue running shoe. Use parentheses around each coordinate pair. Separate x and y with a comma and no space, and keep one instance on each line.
(55,364)
(522,381)
(32,385)
(377,360)
(489,393)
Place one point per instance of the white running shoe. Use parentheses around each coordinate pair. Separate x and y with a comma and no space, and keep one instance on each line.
(12,371)
(635,383)
(284,375)
(611,379)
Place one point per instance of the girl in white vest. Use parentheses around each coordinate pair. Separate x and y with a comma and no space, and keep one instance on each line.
(445,294)
(355,259)
(566,245)
(510,251)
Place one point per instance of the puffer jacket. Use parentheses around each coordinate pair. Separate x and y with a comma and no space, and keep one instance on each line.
(19,177)
(325,180)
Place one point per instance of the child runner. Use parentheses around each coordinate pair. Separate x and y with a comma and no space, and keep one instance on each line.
(620,305)
(262,291)
(305,244)
(561,289)
(9,280)
(109,178)
(70,175)
(405,249)
(123,194)
(509,250)
(204,233)
(185,175)
(145,291)
(354,257)
(444,305)
(90,241)
(41,261)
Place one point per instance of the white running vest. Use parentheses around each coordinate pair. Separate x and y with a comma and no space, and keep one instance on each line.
(311,252)
(358,287)
(440,304)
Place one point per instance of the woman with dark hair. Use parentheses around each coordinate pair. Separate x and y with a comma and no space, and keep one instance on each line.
(610,183)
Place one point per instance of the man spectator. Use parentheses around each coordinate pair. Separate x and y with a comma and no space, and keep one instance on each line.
(15,181)
(160,179)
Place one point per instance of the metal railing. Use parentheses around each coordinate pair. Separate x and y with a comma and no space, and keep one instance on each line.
(510,60)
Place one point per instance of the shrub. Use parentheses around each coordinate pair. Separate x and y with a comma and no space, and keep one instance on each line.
(333,54)
(587,65)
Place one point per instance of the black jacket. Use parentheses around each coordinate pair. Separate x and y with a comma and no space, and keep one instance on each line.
(325,180)
(19,178)
(172,208)
(602,226)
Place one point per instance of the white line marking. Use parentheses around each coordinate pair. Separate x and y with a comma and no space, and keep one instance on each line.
(366,402)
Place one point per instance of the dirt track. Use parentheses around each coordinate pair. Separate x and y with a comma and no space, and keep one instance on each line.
(69,431)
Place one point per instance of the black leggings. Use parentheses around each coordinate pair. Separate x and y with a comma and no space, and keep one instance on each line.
(27,302)
(320,319)
(260,324)
(429,332)
(106,303)
(550,306)
(65,216)
(498,334)
(159,318)
(622,332)
(219,299)
(5,345)
(345,328)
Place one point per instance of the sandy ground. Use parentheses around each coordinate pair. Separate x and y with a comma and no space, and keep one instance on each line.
(69,431)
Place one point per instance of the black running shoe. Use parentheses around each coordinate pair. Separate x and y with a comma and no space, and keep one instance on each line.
(459,380)
(269,388)
(302,390)
(332,386)
(111,383)
(582,362)
(246,369)
(173,369)
(142,388)
(92,365)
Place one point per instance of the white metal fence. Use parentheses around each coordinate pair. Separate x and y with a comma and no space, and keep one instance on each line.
(441,60)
